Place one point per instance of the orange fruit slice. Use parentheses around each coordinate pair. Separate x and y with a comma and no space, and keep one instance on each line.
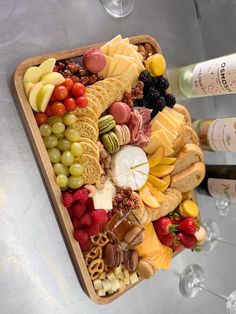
(155,158)
(148,198)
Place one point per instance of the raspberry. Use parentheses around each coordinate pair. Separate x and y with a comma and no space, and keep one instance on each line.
(67,199)
(81,236)
(78,209)
(85,246)
(90,205)
(93,229)
(86,220)
(70,211)
(99,216)
(76,222)
(81,195)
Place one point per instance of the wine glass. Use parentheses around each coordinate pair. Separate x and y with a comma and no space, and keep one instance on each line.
(213,236)
(223,207)
(118,8)
(192,281)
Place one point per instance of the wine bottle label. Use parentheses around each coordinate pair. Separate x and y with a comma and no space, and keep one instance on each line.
(223,189)
(221,135)
(216,76)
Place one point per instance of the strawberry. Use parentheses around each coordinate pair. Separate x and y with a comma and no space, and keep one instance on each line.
(175,218)
(187,226)
(164,226)
(168,239)
(189,241)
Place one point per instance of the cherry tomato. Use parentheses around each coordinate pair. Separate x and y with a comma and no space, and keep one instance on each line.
(60,92)
(81,101)
(70,104)
(58,109)
(68,83)
(41,118)
(78,89)
(48,110)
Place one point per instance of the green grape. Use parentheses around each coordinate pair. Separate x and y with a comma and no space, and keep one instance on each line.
(61,169)
(54,155)
(63,144)
(76,169)
(69,119)
(60,135)
(75,182)
(72,134)
(62,180)
(76,149)
(54,119)
(50,141)
(67,158)
(58,127)
(45,130)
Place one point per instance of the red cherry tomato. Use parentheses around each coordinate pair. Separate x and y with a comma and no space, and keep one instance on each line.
(68,83)
(81,101)
(60,92)
(58,109)
(48,110)
(78,89)
(70,104)
(41,118)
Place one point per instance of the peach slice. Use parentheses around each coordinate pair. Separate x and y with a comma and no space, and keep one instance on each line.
(155,158)
(32,74)
(157,193)
(166,180)
(158,183)
(167,161)
(161,171)
(148,198)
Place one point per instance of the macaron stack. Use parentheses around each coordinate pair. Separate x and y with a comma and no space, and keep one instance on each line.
(108,137)
(94,60)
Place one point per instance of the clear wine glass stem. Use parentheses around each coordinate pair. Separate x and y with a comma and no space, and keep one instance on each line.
(222,240)
(221,296)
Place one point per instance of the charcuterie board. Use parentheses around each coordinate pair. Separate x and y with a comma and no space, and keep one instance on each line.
(146,148)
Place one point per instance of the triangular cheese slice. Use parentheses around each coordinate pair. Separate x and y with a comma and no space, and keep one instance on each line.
(138,61)
(104,48)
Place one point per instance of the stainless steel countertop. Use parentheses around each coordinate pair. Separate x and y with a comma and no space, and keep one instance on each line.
(36,273)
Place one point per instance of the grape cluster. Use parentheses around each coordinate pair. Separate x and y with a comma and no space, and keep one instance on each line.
(61,141)
(155,93)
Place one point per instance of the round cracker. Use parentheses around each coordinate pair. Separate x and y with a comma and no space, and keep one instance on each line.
(101,90)
(98,95)
(88,120)
(92,169)
(95,104)
(88,149)
(89,141)
(86,130)
(87,112)
(119,85)
(110,88)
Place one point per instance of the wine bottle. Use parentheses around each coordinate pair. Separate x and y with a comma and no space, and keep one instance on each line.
(217,135)
(219,182)
(213,77)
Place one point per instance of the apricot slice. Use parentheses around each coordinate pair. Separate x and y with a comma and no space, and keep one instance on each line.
(158,183)
(167,160)
(161,171)
(166,180)
(148,197)
(155,158)
(157,193)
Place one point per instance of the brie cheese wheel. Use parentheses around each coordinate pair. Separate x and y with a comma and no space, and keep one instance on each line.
(130,167)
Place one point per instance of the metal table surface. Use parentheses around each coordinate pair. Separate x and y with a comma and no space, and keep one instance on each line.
(36,273)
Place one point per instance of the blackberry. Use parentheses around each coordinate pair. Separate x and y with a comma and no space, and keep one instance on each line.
(170,100)
(161,103)
(162,84)
(145,77)
(152,94)
(140,102)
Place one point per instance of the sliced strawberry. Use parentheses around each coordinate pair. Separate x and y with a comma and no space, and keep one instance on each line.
(164,226)
(187,226)
(189,241)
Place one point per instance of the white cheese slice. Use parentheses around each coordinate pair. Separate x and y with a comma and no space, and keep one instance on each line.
(103,198)
(104,48)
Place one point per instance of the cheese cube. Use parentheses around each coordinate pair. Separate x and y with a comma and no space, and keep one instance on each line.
(126,273)
(106,284)
(97,284)
(122,284)
(111,276)
(101,293)
(120,275)
(117,270)
(103,276)
(126,281)
(115,284)
(133,278)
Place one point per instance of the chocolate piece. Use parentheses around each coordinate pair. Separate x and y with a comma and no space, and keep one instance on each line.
(130,260)
(112,255)
(134,236)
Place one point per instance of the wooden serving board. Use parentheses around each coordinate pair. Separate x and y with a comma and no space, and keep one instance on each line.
(46,168)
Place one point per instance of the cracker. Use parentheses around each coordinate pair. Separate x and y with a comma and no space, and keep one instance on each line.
(88,149)
(104,93)
(87,112)
(126,84)
(86,130)
(92,169)
(111,90)
(89,121)
(89,141)
(119,86)
(99,100)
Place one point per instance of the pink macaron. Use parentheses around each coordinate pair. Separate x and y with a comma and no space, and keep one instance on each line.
(120,111)
(94,60)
